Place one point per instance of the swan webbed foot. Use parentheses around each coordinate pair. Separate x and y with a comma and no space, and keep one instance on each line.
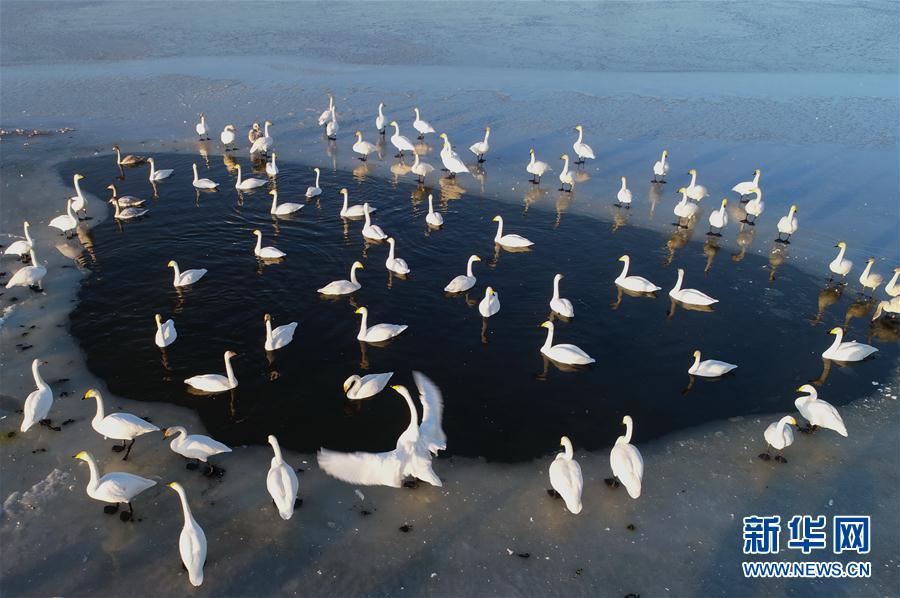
(111,509)
(411,483)
(126,516)
(117,448)
(553,493)
(48,424)
(298,503)
(611,482)
(780,459)
(765,456)
(191,465)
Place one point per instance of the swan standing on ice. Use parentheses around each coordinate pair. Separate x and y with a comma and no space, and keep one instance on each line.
(327,114)
(718,220)
(363,148)
(354,211)
(565,477)
(266,253)
(246,184)
(38,402)
(371,231)
(331,128)
(158,175)
(203,183)
(626,461)
(413,453)
(118,426)
(689,296)
(380,120)
(213,383)
(165,332)
(693,190)
(279,337)
(227,137)
(194,446)
(839,265)
(378,332)
(582,150)
(115,487)
(129,160)
(788,225)
(403,144)
(202,129)
(480,148)
(283,209)
(559,304)
(563,353)
(463,282)
(369,385)
(188,277)
(423,127)
(343,287)
(661,168)
(272,167)
(819,413)
(779,435)
(67,222)
(126,213)
(892,288)
(509,241)
(192,541)
(636,284)
(536,168)
(420,169)
(395,264)
(754,207)
(490,305)
(263,144)
(79,202)
(566,177)
(451,160)
(623,197)
(849,351)
(314,190)
(868,279)
(281,482)
(709,368)
(433,218)
(126,201)
(254,133)
(22,247)
(28,276)
(747,187)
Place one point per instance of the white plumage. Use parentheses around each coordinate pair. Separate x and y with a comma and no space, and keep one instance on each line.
(566,478)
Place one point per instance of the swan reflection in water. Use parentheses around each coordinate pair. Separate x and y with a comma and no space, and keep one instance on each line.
(827,297)
(744,240)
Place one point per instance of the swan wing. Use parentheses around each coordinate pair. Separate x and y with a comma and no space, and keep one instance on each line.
(627,465)
(123,486)
(192,547)
(372,384)
(460,283)
(282,484)
(37,406)
(125,425)
(367,469)
(824,414)
(431,432)
(566,479)
(284,334)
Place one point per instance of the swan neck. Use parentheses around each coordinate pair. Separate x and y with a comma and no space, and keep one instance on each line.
(580,135)
(362,323)
(95,473)
(391,250)
(431,206)
(624,269)
(177,272)
(274,201)
(549,342)
(865,273)
(38,380)
(567,444)
(679,281)
(629,428)
(353,275)
(840,256)
(69,210)
(693,179)
(78,188)
(317,178)
(838,337)
(195,173)
(556,287)
(258,242)
(266,130)
(269,331)
(413,414)
(185,507)
(229,371)
(101,412)
(30,242)
(499,230)
(276,448)
(469,267)
(565,167)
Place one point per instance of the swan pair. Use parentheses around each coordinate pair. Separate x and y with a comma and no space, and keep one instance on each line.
(29,276)
(379,332)
(264,143)
(126,201)
(343,287)
(214,383)
(118,426)
(563,353)
(126,213)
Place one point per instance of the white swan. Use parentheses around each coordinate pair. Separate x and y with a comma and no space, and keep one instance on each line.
(433,218)
(331,128)
(129,160)
(281,482)
(165,332)
(118,426)
(158,175)
(869,279)
(423,127)
(371,231)
(354,211)
(380,120)
(263,144)
(709,368)
(343,287)
(395,264)
(193,446)
(511,241)
(779,435)
(420,169)
(378,332)
(755,206)
(326,115)
(661,168)
(689,296)
(839,265)
(202,129)
(66,222)
(280,336)
(363,148)
(79,202)
(115,487)
(272,167)
(38,402)
(28,276)
(626,461)
(266,253)
(490,304)
(283,209)
(366,386)
(565,477)
(192,541)
(787,225)
(450,159)
(623,197)
(559,304)
(718,219)
(403,144)
(480,148)
(685,209)
(22,247)
(849,351)
(314,190)
(121,213)
(536,168)
(412,455)
(463,282)
(213,383)
(566,177)
(695,191)
(747,187)
(819,413)
(126,201)
(892,288)
(227,137)
(636,284)
(188,277)
(563,353)
(582,150)
(246,184)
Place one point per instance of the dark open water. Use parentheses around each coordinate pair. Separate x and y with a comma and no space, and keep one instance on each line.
(503,402)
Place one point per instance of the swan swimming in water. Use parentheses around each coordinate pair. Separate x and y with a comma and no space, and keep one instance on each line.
(38,402)
(158,175)
(413,453)
(284,209)
(395,264)
(509,241)
(661,168)
(28,276)
(367,386)
(566,478)
(779,435)
(559,304)
(378,332)
(354,211)
(689,296)
(563,353)
(279,337)
(281,482)
(188,277)
(582,150)
(536,168)
(490,305)
(165,332)
(314,190)
(463,282)
(892,307)
(636,284)
(126,213)
(126,201)
(272,167)
(433,218)
(129,160)
(192,541)
(819,413)
(371,231)
(626,461)
(709,368)
(118,426)
(482,147)
(115,487)
(266,253)
(343,287)
(213,383)
(849,351)
(402,143)
(247,184)
(423,127)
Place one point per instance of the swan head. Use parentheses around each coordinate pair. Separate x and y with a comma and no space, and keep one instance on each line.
(256,126)
(361,310)
(390,240)
(475,258)
(790,420)
(724,202)
(268,122)
(230,354)
(696,354)
(624,258)
(273,192)
(624,179)
(564,157)
(835,330)
(547,324)
(358,134)
(381,105)
(756,172)
(443,136)
(267,318)
(26,224)
(807,388)
(171,264)
(871,260)
(402,391)
(627,420)
(680,271)
(665,153)
(358,265)
(755,190)
(343,191)
(497,219)
(349,382)
(393,123)
(272,440)
(692,171)
(579,128)
(78,177)
(257,232)
(681,190)
(489,292)
(201,115)
(116,147)
(82,455)
(841,244)
(229,127)
(531,151)
(274,155)
(487,129)
(793,208)
(316,170)
(175,486)
(90,394)
(157,318)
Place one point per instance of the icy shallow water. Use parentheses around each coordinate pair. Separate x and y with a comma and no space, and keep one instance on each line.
(503,399)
